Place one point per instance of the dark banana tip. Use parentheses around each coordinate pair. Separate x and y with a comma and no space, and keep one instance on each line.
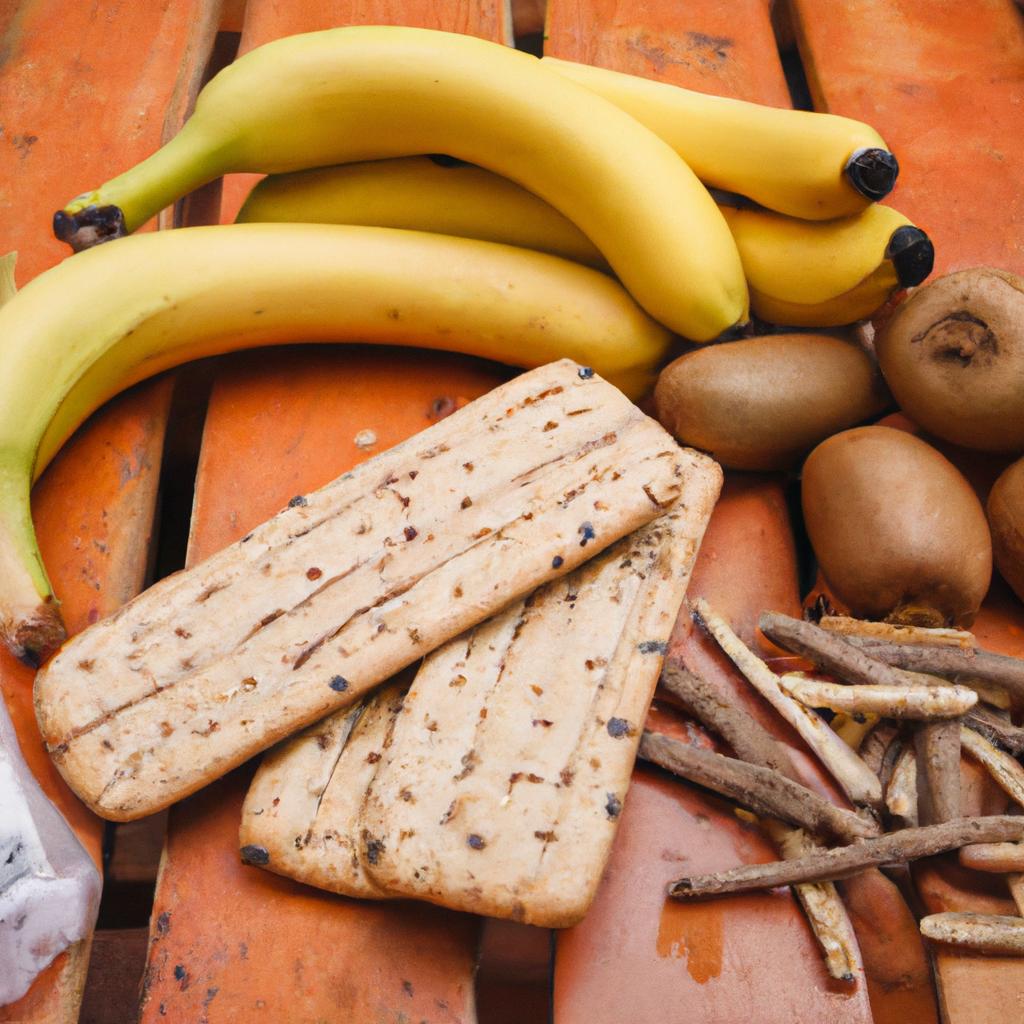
(912,254)
(91,226)
(872,172)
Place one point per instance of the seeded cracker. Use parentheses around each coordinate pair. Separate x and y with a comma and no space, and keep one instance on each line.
(349,584)
(505,774)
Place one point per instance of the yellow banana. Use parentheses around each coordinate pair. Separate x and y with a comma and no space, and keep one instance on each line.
(366,92)
(107,318)
(800,273)
(423,193)
(805,164)
(827,273)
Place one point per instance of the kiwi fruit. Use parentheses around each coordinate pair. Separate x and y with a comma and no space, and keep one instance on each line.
(1005,510)
(953,356)
(898,532)
(763,403)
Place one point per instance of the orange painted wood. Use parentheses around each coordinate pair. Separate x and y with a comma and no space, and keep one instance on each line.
(723,48)
(943,82)
(82,98)
(282,423)
(94,514)
(746,565)
(86,91)
(640,957)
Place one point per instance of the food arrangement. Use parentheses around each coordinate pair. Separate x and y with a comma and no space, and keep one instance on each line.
(891,279)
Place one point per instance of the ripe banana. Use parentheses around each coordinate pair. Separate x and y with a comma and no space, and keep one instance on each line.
(107,318)
(805,164)
(366,92)
(423,193)
(827,273)
(800,273)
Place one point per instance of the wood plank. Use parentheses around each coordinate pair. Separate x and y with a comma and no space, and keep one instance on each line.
(943,84)
(278,425)
(728,49)
(310,416)
(490,20)
(642,958)
(94,507)
(723,48)
(950,109)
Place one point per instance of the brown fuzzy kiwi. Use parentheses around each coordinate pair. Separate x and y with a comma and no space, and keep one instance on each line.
(1005,510)
(953,356)
(762,403)
(898,532)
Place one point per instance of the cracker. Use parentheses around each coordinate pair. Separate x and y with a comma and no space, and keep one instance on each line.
(502,784)
(348,585)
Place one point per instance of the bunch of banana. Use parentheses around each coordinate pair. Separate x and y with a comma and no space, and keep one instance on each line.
(592,165)
(361,93)
(107,318)
(800,273)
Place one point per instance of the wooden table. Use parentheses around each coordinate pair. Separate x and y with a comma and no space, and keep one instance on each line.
(87,89)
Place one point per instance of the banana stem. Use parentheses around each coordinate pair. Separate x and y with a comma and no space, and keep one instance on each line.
(126,202)
(30,622)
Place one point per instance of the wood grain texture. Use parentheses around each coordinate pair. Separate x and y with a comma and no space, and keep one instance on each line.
(279,424)
(945,92)
(747,564)
(639,957)
(87,90)
(81,100)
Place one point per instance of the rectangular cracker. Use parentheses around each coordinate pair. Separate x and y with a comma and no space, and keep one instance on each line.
(498,782)
(348,585)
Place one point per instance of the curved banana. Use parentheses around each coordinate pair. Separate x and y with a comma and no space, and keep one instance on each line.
(800,273)
(827,273)
(798,162)
(107,318)
(365,92)
(423,193)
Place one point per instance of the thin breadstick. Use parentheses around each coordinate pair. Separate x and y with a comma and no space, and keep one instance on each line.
(859,783)
(750,741)
(844,625)
(997,858)
(997,729)
(1007,772)
(921,703)
(762,790)
(823,906)
(832,653)
(828,865)
(938,771)
(996,669)
(982,933)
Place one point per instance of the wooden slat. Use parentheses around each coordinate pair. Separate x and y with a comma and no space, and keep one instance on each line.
(943,83)
(642,958)
(728,49)
(80,100)
(723,48)
(280,424)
